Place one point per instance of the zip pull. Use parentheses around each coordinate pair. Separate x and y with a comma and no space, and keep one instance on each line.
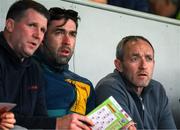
(142,102)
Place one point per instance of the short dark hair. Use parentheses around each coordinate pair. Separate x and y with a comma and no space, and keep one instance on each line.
(17,10)
(57,13)
(124,41)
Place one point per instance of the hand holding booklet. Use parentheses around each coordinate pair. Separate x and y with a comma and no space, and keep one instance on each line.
(109,116)
(6,106)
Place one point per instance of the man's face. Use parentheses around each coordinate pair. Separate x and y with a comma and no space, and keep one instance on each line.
(138,63)
(27,33)
(60,40)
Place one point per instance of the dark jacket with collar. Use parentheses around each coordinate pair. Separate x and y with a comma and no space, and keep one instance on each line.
(21,83)
(150,111)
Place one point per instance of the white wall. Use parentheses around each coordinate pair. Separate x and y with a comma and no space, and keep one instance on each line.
(102,27)
(4,5)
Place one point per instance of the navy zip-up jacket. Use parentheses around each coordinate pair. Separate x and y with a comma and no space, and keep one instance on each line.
(150,111)
(21,83)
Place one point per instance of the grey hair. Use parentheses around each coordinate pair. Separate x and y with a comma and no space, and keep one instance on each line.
(124,41)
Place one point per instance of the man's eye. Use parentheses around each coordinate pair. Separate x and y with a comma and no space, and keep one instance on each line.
(73,34)
(149,58)
(134,59)
(60,32)
(43,30)
(32,25)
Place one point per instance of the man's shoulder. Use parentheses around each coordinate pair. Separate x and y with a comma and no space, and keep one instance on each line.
(3,54)
(156,86)
(111,81)
(4,57)
(155,83)
(111,78)
(77,77)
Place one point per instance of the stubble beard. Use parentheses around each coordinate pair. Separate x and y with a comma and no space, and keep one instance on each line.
(63,59)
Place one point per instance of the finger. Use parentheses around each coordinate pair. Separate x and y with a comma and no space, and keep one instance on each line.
(82,125)
(7,125)
(132,127)
(80,121)
(7,115)
(3,128)
(86,120)
(10,121)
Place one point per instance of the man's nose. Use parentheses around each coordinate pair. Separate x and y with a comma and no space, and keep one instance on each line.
(143,63)
(38,33)
(66,38)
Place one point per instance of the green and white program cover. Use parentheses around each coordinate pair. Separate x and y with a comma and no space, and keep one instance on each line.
(109,116)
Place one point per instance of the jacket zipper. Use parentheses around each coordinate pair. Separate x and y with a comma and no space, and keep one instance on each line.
(142,106)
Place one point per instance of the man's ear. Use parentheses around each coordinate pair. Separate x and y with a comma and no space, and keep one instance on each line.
(118,65)
(9,25)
